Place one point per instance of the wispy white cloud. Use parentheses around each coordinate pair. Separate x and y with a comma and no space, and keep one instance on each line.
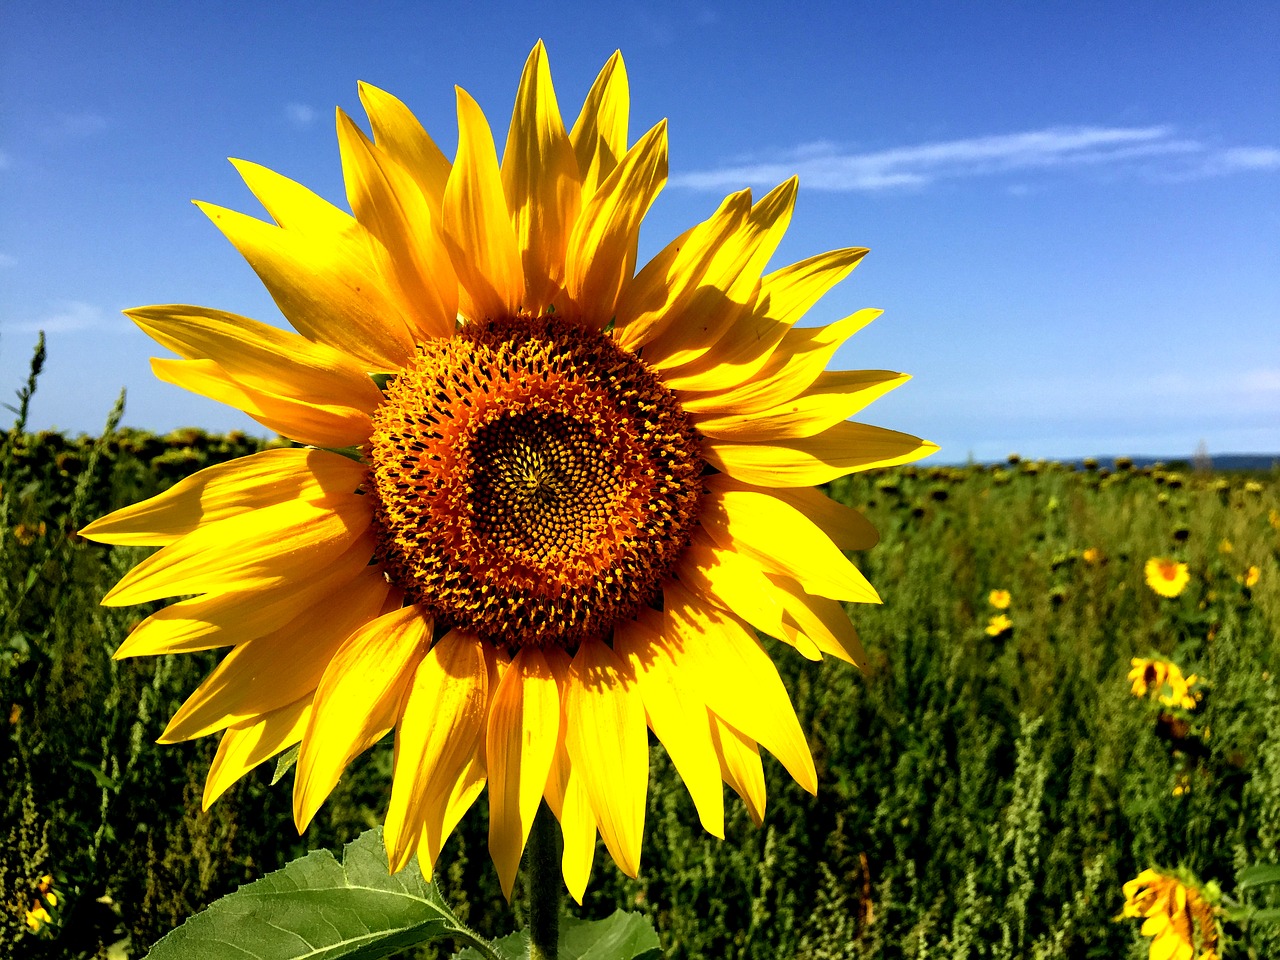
(65,317)
(300,115)
(8,260)
(1155,151)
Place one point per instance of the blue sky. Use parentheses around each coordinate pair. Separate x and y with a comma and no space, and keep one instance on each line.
(1073,209)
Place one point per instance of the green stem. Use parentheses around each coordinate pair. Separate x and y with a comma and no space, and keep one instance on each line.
(542,877)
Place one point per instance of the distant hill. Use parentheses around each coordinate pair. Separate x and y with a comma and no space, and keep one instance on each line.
(1218,461)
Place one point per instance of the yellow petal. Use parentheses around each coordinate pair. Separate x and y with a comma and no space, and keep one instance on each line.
(847,528)
(245,745)
(798,361)
(732,580)
(783,298)
(477,227)
(397,131)
(601,255)
(677,715)
(599,135)
(836,395)
(845,448)
(389,204)
(782,540)
(823,622)
(260,357)
(322,425)
(227,490)
(680,281)
(730,285)
(524,725)
(436,736)
(609,746)
(325,282)
(265,673)
(566,795)
(227,619)
(285,542)
(737,677)
(357,702)
(740,766)
(541,183)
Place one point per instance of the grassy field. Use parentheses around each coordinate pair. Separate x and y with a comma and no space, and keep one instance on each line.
(983,792)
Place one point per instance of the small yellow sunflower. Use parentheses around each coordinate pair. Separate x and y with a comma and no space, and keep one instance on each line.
(1180,918)
(1147,673)
(1000,599)
(541,498)
(1251,576)
(1167,577)
(998,624)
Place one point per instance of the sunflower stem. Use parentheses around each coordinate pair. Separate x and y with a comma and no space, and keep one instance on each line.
(543,884)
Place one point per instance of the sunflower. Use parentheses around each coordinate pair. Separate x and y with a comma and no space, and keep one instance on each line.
(1000,599)
(1166,577)
(1180,916)
(998,624)
(541,499)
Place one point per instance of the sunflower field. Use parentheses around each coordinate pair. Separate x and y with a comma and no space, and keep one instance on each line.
(1073,678)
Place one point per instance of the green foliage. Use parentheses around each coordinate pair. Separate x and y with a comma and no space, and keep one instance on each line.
(979,795)
(317,907)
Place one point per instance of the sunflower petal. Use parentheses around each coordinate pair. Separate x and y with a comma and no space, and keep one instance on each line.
(389,204)
(286,542)
(357,702)
(228,619)
(680,281)
(676,714)
(322,425)
(836,395)
(732,580)
(247,744)
(397,131)
(477,227)
(783,298)
(740,766)
(847,528)
(227,490)
(541,183)
(599,136)
(782,540)
(739,680)
(567,796)
(265,673)
(608,744)
(440,722)
(601,254)
(823,622)
(524,725)
(803,462)
(324,281)
(797,362)
(259,356)
(730,283)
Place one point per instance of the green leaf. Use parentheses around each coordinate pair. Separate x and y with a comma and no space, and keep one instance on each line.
(319,909)
(285,762)
(622,936)
(104,782)
(1270,915)
(1261,875)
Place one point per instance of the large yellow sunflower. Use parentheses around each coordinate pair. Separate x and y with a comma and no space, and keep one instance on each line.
(540,499)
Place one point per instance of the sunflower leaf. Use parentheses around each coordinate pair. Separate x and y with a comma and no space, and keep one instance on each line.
(319,909)
(621,936)
(1259,875)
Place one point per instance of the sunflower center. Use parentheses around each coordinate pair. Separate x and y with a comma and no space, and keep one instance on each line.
(534,482)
